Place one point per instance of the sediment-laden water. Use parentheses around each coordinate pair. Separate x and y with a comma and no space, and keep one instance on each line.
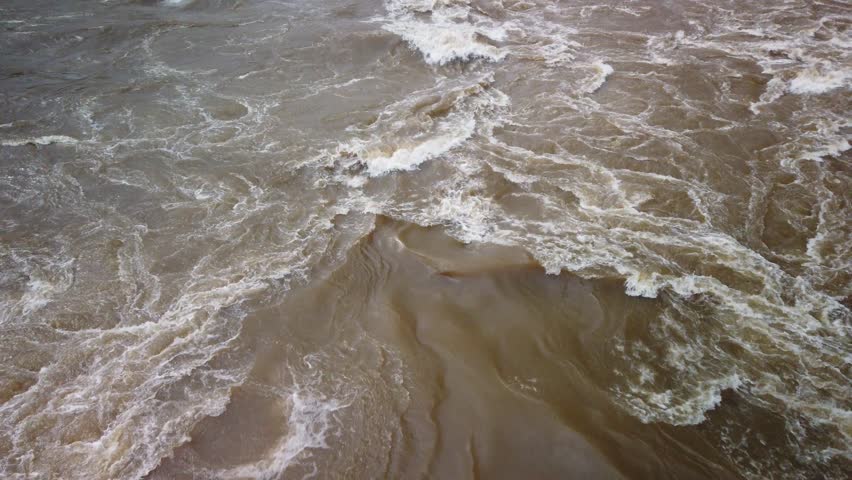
(425,239)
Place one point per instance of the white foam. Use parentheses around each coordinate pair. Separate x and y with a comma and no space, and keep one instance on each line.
(470,216)
(445,36)
(408,158)
(602,71)
(835,147)
(639,284)
(663,406)
(310,420)
(43,140)
(406,135)
(818,79)
(444,43)
(775,89)
(47,276)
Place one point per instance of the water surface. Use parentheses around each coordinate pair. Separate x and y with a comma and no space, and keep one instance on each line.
(441,239)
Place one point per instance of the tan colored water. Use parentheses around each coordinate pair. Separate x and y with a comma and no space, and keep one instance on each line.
(425,239)
(474,364)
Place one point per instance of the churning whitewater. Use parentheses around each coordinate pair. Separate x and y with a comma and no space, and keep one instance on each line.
(425,239)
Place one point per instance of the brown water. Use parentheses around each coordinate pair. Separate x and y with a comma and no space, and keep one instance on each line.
(425,239)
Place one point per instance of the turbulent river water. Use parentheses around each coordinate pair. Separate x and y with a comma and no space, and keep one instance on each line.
(425,239)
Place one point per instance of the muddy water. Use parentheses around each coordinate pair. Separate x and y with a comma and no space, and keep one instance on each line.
(425,239)
(473,363)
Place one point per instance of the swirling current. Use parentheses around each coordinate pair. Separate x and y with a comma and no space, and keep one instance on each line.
(425,239)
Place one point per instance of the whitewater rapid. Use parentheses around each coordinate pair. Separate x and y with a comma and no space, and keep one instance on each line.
(172,172)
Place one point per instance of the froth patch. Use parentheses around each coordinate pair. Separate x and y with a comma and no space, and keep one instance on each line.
(601,72)
(819,79)
(43,140)
(449,34)
(651,406)
(409,157)
(444,43)
(420,128)
(310,419)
